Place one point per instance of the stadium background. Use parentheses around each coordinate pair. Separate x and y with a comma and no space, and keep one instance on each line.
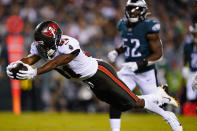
(93,23)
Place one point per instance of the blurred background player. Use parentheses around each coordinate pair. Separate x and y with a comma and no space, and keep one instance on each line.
(190,58)
(142,48)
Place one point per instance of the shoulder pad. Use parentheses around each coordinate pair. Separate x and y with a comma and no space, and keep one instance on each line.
(152,26)
(68,45)
(120,23)
(33,49)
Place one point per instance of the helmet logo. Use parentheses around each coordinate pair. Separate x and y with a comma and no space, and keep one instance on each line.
(51,30)
(70,47)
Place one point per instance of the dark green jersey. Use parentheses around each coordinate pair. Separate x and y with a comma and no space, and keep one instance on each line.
(191,53)
(135,41)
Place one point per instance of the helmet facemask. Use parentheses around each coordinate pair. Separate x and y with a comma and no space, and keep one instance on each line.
(135,11)
(46,52)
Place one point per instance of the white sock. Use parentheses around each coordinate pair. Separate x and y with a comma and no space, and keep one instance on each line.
(115,124)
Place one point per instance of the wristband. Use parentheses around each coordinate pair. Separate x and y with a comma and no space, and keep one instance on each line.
(142,63)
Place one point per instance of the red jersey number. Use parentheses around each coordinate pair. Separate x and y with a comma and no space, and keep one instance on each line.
(63,42)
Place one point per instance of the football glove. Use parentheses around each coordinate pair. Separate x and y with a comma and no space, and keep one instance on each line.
(10,67)
(132,66)
(194,83)
(112,55)
(29,74)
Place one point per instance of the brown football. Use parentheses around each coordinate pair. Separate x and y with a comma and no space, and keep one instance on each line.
(18,67)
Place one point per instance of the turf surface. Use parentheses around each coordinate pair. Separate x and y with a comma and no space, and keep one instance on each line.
(86,122)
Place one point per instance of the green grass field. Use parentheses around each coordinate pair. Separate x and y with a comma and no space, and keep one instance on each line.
(87,122)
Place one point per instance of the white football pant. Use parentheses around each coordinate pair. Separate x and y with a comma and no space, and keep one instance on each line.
(190,93)
(147,81)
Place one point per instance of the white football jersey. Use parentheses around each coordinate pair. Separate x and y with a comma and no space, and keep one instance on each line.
(81,67)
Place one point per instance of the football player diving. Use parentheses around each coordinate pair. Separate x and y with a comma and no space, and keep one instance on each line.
(63,54)
(142,48)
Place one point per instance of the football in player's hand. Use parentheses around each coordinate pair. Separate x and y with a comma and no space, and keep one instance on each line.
(18,67)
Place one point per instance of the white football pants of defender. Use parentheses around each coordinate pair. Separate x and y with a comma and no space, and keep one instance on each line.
(190,93)
(146,81)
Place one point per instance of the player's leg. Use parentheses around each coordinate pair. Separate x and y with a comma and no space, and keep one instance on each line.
(109,88)
(115,121)
(194,83)
(112,90)
(190,93)
(147,82)
(168,116)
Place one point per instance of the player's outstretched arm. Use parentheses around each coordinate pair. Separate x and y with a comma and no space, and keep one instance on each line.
(52,64)
(57,61)
(31,59)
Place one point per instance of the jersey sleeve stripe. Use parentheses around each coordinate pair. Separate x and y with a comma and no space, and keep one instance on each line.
(106,71)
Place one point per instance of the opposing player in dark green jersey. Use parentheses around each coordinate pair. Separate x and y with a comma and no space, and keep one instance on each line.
(142,48)
(141,43)
(190,57)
